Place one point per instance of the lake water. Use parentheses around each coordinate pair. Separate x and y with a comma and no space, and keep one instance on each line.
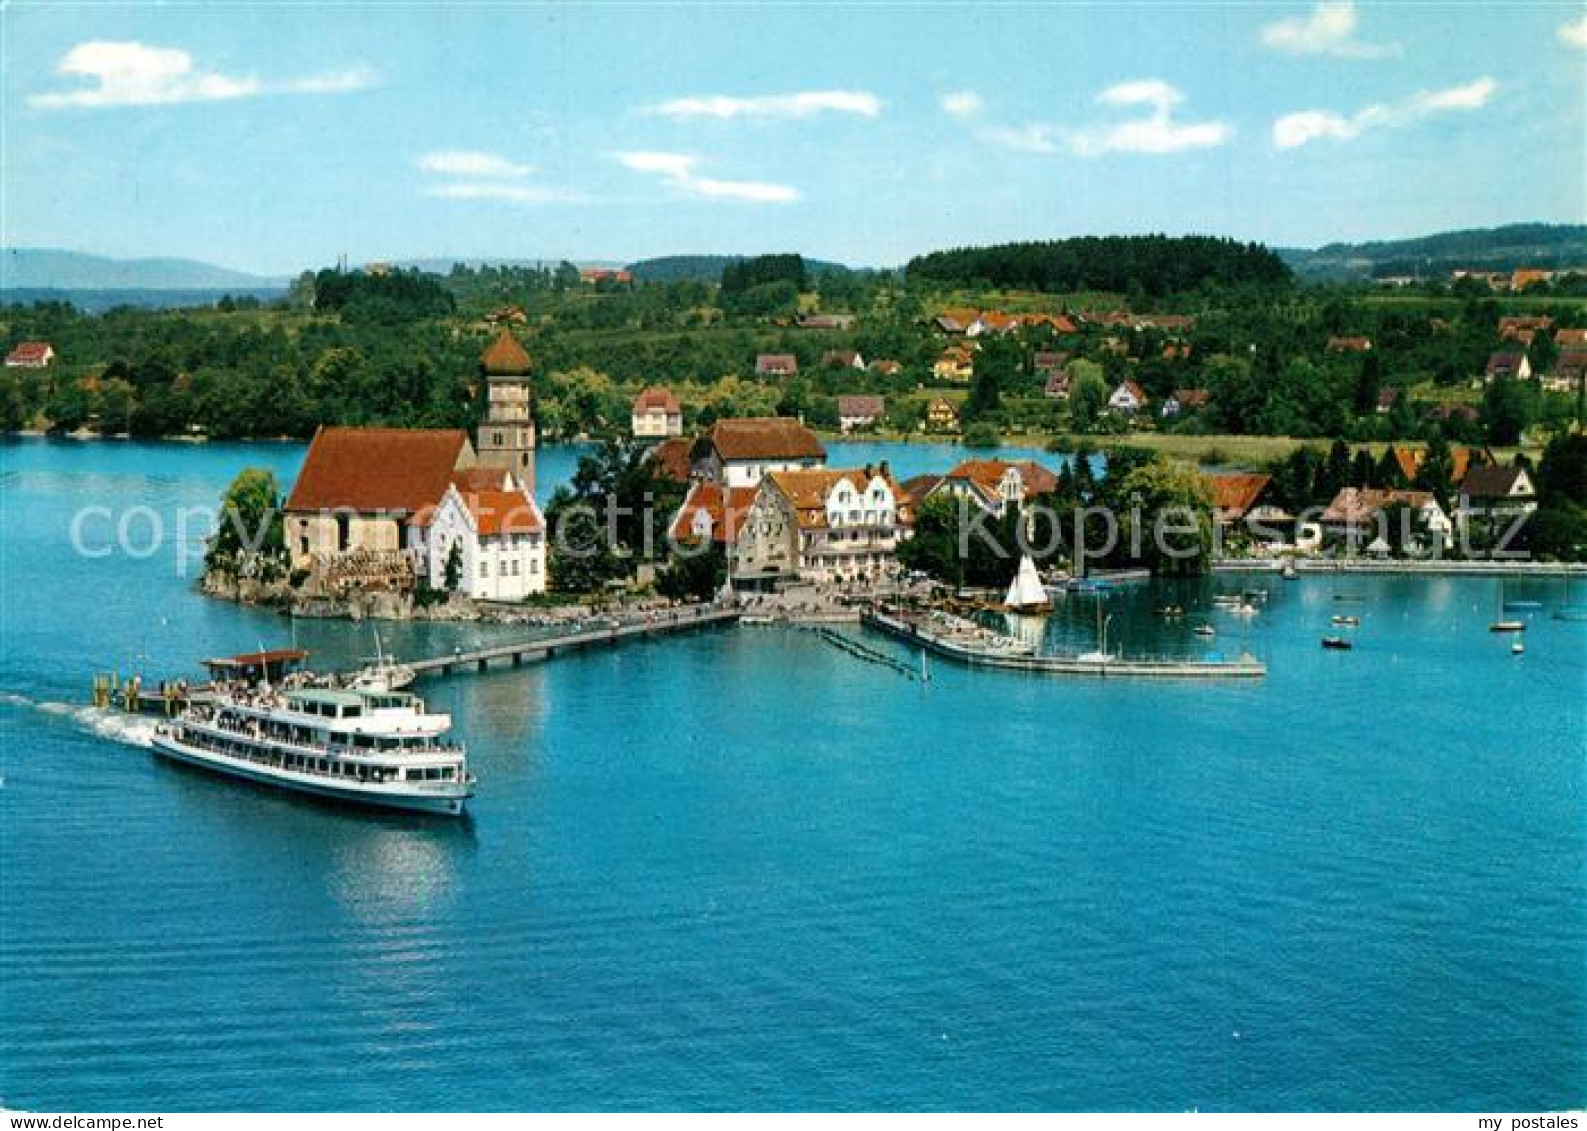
(741,869)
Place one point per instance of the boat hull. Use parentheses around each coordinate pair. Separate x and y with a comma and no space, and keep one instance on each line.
(446,801)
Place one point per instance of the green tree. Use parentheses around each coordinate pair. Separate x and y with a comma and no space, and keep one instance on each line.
(248,537)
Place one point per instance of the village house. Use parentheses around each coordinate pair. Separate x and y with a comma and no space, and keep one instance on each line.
(1237,499)
(1496,494)
(1569,368)
(1388,397)
(712,513)
(955,321)
(942,415)
(671,459)
(657,414)
(843,359)
(1508,363)
(1185,400)
(30,355)
(1349,345)
(1176,351)
(488,529)
(1446,411)
(1566,339)
(1461,460)
(1524,277)
(1048,361)
(823,525)
(739,452)
(824,321)
(361,488)
(777,365)
(1358,516)
(994,485)
(1129,398)
(1057,386)
(859,410)
(887,367)
(593,275)
(956,364)
(1513,326)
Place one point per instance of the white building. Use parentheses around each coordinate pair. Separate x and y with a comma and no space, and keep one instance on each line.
(1129,398)
(657,415)
(490,526)
(822,525)
(994,484)
(739,452)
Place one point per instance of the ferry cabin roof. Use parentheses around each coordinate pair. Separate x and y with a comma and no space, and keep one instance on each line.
(359,712)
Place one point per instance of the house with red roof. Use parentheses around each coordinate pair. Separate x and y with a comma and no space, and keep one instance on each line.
(777,365)
(994,485)
(30,355)
(1129,398)
(361,488)
(488,532)
(1185,400)
(859,410)
(823,524)
(657,414)
(740,451)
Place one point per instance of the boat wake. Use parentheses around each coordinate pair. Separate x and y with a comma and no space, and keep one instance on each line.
(113,725)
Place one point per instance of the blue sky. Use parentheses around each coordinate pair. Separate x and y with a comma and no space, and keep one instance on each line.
(270,138)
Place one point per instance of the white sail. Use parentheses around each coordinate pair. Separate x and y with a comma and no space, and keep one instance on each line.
(1026,591)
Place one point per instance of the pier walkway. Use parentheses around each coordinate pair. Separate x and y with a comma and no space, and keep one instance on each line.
(545,647)
(972,650)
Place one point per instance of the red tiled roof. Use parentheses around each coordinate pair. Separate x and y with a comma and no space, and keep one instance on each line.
(1563,338)
(505,357)
(987,474)
(657,399)
(29,353)
(860,404)
(670,459)
(1135,391)
(1354,505)
(727,508)
(763,438)
(503,512)
(377,469)
(1192,398)
(1235,494)
(1343,345)
(776,363)
(808,490)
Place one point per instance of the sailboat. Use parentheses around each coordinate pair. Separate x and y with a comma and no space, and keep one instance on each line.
(1026,593)
(1504,624)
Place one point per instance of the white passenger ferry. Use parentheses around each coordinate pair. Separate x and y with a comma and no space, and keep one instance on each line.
(369,745)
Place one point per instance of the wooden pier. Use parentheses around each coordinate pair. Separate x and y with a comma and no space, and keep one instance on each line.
(911,631)
(545,647)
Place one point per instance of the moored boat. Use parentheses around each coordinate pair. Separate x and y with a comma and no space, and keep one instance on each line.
(1337,643)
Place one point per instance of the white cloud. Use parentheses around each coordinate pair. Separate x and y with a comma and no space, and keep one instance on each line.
(1329,29)
(500,190)
(1574,34)
(136,74)
(802,105)
(1157,132)
(961,104)
(472,163)
(677,170)
(1304,126)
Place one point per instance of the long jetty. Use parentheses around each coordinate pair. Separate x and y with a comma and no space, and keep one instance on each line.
(967,650)
(545,647)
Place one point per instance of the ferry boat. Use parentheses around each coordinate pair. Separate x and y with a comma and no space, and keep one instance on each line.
(368,745)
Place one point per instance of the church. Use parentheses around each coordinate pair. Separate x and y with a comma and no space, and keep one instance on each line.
(383,507)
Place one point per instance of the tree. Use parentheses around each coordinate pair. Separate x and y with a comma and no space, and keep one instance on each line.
(1169,518)
(1369,383)
(694,575)
(1436,470)
(248,538)
(454,567)
(1087,394)
(1504,411)
(1335,472)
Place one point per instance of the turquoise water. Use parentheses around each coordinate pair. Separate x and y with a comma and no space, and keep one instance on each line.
(740,869)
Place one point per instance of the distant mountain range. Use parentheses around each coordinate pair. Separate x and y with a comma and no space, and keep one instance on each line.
(1490,249)
(29,268)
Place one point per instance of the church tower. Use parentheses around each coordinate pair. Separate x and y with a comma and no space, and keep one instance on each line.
(506,437)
